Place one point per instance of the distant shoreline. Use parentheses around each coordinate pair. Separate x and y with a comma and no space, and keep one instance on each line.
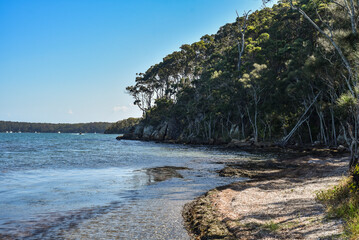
(98,127)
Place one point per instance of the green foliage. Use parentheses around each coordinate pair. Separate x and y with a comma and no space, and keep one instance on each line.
(98,127)
(342,201)
(347,101)
(285,64)
(248,80)
(271,226)
(159,112)
(122,126)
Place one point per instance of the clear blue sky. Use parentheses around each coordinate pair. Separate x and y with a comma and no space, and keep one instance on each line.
(71,60)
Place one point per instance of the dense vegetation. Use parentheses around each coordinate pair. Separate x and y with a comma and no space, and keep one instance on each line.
(342,201)
(98,127)
(285,74)
(122,126)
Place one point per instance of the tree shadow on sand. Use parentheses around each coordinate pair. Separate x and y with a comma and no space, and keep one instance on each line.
(295,217)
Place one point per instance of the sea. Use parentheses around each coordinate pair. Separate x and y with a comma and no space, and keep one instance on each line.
(92,186)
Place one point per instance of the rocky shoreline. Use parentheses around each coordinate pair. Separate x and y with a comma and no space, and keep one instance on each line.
(168,132)
(289,183)
(278,202)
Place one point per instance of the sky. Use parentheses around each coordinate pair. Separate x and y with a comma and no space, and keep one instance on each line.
(70,61)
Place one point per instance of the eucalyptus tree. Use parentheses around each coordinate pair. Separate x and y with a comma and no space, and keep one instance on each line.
(253,82)
(242,26)
(337,23)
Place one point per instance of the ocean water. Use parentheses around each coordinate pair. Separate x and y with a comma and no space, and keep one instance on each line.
(91,186)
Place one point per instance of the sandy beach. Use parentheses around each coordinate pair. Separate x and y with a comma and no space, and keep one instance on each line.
(279,202)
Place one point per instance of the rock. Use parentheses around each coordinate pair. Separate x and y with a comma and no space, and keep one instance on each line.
(341,148)
(238,143)
(162,131)
(233,143)
(172,131)
(263,144)
(154,135)
(234,172)
(129,136)
(159,174)
(220,141)
(135,133)
(138,130)
(147,132)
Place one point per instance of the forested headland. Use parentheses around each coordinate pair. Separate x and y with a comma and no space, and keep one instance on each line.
(98,127)
(122,126)
(286,75)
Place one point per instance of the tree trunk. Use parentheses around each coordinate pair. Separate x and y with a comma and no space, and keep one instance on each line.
(300,122)
(241,44)
(310,132)
(334,134)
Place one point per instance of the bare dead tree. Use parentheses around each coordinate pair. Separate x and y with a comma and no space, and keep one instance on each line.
(241,44)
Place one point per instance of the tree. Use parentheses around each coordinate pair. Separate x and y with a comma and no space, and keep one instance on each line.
(253,83)
(241,44)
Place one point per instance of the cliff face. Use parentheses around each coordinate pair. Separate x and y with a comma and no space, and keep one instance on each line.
(165,131)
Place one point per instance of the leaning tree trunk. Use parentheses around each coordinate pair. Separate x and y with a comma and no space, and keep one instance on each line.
(301,120)
(351,78)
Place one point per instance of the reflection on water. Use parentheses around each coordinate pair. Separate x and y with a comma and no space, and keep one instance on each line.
(91,186)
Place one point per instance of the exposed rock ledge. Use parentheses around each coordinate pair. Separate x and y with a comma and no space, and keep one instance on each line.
(278,203)
(162,132)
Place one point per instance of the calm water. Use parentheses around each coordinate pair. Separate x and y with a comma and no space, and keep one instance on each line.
(69,186)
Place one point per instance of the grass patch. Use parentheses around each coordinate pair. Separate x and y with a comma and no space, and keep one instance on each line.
(342,201)
(271,226)
(290,225)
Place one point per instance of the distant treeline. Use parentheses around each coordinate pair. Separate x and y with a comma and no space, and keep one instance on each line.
(122,126)
(98,127)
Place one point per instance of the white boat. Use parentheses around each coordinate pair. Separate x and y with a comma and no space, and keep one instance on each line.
(7,131)
(58,132)
(10,132)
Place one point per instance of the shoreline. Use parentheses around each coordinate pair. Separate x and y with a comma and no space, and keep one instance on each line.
(278,202)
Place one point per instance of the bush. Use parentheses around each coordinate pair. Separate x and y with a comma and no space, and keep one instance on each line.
(342,201)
